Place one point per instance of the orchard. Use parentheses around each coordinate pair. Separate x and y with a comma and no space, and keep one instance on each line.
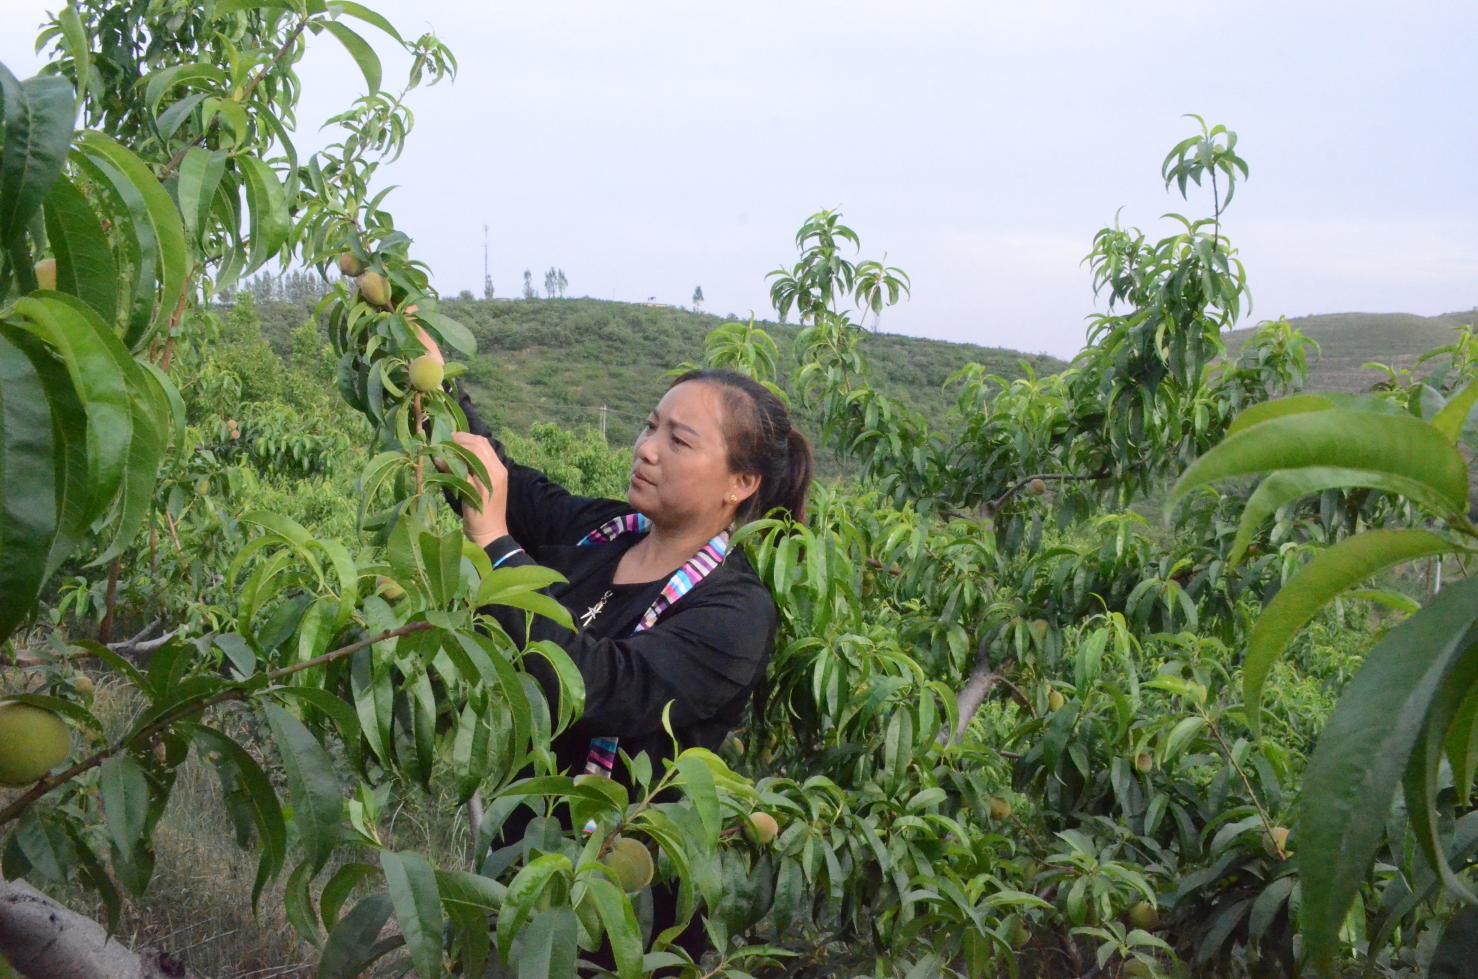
(1126,675)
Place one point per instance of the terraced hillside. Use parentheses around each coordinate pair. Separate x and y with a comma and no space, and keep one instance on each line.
(1347,341)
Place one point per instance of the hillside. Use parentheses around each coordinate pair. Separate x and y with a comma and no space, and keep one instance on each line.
(560,360)
(1349,340)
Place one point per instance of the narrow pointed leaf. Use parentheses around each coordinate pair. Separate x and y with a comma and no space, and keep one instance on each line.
(84,261)
(1362,752)
(1399,445)
(38,115)
(413,891)
(1317,583)
(28,481)
(1449,421)
(1287,485)
(313,786)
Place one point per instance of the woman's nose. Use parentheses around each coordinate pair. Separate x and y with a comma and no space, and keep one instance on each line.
(646,449)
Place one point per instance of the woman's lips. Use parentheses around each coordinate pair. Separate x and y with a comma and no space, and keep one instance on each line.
(639,478)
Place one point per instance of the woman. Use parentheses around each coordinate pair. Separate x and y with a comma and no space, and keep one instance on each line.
(664,611)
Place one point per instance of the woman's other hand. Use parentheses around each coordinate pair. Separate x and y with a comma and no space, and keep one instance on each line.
(488,521)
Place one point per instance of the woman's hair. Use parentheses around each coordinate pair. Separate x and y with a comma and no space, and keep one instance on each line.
(760,440)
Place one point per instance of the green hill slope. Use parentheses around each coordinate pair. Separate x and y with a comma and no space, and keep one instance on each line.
(1349,340)
(560,360)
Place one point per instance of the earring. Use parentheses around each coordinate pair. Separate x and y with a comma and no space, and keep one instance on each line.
(733,498)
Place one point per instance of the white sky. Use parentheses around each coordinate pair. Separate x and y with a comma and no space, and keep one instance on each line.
(649,147)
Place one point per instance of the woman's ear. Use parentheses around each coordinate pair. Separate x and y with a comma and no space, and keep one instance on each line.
(744,485)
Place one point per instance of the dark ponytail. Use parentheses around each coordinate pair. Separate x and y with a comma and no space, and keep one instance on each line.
(760,440)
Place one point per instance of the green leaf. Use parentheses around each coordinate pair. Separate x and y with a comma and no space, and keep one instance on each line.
(28,481)
(359,49)
(73,498)
(619,921)
(201,172)
(38,115)
(338,889)
(696,780)
(1422,773)
(74,43)
(149,204)
(1279,408)
(84,261)
(1287,485)
(125,794)
(1362,752)
(313,787)
(241,776)
(1398,445)
(470,890)
(100,368)
(449,331)
(547,946)
(523,894)
(1317,583)
(413,890)
(145,453)
(365,14)
(1449,421)
(351,946)
(267,201)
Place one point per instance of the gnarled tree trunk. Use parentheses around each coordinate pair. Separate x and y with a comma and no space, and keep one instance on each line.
(43,940)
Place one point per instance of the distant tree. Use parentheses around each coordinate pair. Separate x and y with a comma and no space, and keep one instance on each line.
(466,295)
(551,282)
(698,299)
(560,282)
(528,285)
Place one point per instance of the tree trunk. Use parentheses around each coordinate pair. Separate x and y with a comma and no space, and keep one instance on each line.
(43,940)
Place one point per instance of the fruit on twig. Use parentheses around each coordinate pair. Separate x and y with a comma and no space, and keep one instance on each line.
(1275,842)
(1145,762)
(82,683)
(427,373)
(1038,629)
(349,265)
(374,289)
(1000,809)
(1144,916)
(46,274)
(33,741)
(1135,969)
(1037,486)
(763,828)
(1055,700)
(631,862)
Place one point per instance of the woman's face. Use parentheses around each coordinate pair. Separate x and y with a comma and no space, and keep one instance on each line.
(680,467)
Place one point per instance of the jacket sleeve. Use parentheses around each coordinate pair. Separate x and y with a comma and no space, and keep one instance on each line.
(540,511)
(706,650)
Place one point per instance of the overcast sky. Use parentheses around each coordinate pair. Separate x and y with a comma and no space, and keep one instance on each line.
(650,147)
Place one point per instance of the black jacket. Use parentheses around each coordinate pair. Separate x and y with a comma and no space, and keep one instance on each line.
(705,654)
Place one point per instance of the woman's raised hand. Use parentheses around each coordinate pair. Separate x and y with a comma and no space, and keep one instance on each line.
(432,349)
(488,521)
